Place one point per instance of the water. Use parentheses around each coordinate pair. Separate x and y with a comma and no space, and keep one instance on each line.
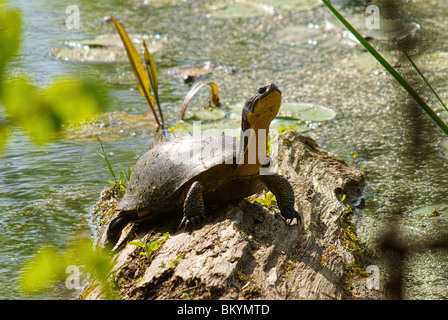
(48,194)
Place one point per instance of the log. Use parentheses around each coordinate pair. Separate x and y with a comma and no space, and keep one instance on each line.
(245,250)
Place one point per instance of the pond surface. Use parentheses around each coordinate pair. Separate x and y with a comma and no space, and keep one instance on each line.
(48,194)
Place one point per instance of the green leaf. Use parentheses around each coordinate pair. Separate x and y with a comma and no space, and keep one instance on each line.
(424,79)
(137,68)
(138,244)
(24,107)
(75,100)
(49,265)
(267,200)
(18,105)
(43,112)
(153,246)
(152,72)
(41,270)
(4,135)
(10,36)
(104,156)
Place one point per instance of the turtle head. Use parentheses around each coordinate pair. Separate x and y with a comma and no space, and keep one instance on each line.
(261,108)
(258,112)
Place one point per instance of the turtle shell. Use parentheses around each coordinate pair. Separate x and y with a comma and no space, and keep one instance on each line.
(161,177)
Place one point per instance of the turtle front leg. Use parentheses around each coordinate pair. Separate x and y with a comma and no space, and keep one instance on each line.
(284,194)
(194,211)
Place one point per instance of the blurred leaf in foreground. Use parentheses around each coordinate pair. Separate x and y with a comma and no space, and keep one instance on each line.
(10,30)
(49,266)
(43,112)
(42,269)
(4,134)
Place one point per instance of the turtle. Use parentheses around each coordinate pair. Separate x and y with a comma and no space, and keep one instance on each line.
(194,172)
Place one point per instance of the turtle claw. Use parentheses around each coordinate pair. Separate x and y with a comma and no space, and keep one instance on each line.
(290,215)
(182,223)
(194,220)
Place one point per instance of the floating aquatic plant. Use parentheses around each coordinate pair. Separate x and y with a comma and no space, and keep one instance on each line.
(290,5)
(432,210)
(305,111)
(105,48)
(240,10)
(199,71)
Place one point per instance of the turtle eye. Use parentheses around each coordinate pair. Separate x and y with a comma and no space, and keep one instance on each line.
(262,89)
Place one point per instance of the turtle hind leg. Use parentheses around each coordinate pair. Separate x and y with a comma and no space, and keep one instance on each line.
(284,194)
(194,210)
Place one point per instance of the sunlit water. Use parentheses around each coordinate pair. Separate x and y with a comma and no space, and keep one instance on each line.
(48,193)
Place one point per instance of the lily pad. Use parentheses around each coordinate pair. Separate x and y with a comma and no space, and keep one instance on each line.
(296,5)
(294,111)
(111,126)
(104,48)
(435,61)
(443,147)
(365,62)
(230,127)
(193,72)
(310,36)
(433,210)
(306,111)
(211,114)
(297,34)
(393,30)
(290,124)
(241,10)
(158,3)
(387,30)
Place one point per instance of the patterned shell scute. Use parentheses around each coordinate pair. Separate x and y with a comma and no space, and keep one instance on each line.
(169,166)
